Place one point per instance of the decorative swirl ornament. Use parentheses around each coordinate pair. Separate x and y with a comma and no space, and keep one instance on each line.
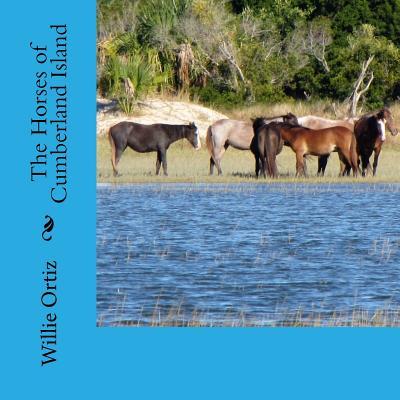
(48,227)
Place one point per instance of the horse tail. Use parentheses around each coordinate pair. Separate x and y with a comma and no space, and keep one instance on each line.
(271,163)
(113,150)
(270,159)
(354,154)
(209,141)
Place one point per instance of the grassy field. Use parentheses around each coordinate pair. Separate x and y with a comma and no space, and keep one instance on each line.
(188,165)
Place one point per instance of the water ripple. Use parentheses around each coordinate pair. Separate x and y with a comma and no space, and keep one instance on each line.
(245,248)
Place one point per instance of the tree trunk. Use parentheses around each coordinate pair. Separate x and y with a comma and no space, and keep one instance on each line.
(184,60)
(359,87)
(129,88)
(231,59)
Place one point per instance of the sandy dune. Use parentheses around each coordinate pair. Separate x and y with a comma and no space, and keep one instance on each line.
(154,111)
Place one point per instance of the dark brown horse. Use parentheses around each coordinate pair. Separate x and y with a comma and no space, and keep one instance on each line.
(370,134)
(304,141)
(267,143)
(229,132)
(147,138)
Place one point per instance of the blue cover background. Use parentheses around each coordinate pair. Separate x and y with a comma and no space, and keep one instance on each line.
(141,363)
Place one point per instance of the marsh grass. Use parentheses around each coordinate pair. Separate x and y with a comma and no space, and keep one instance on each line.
(321,108)
(188,165)
(175,317)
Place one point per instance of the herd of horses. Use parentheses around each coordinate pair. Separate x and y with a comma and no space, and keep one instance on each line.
(353,139)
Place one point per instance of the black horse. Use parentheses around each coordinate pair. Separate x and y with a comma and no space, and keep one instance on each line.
(370,134)
(147,138)
(267,143)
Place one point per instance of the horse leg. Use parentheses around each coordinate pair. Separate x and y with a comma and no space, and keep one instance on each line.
(271,164)
(350,161)
(158,163)
(345,164)
(322,161)
(261,155)
(300,164)
(164,161)
(218,164)
(377,151)
(264,166)
(364,163)
(218,159)
(342,169)
(274,168)
(353,164)
(346,168)
(256,156)
(115,159)
(212,163)
(305,173)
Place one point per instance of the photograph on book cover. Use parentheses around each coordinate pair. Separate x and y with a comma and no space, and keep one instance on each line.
(190,249)
(219,203)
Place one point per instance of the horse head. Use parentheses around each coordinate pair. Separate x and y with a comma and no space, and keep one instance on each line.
(290,119)
(193,135)
(385,116)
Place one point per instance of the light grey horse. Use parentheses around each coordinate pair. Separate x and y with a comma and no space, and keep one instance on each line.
(229,132)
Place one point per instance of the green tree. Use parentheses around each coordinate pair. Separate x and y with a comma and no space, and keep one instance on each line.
(370,61)
(386,18)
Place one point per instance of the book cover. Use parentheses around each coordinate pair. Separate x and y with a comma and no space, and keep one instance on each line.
(143,258)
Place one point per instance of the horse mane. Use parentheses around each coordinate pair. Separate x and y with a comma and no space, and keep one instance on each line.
(287,115)
(376,114)
(381,113)
(261,121)
(289,125)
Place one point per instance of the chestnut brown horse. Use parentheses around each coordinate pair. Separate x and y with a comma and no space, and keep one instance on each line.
(229,132)
(370,134)
(267,143)
(304,141)
(313,122)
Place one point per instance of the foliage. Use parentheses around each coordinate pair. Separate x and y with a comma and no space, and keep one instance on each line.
(127,104)
(385,66)
(235,52)
(144,72)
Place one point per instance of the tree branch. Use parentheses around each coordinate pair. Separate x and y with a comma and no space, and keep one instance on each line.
(357,92)
(229,56)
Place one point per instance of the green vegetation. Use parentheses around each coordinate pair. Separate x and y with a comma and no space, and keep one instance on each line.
(240,52)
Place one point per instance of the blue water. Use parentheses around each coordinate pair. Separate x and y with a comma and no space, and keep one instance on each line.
(243,249)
